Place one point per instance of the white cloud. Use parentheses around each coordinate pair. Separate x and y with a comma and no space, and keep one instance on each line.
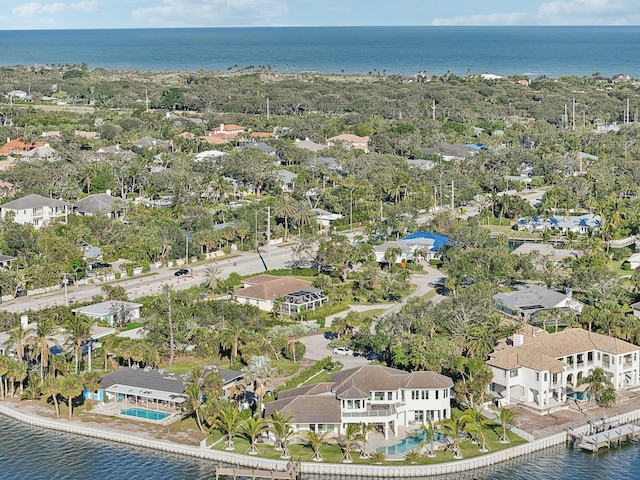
(34,9)
(516,18)
(558,12)
(204,13)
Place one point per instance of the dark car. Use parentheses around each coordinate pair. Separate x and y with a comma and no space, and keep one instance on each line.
(96,265)
(181,272)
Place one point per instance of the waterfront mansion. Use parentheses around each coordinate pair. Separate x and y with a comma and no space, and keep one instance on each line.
(381,396)
(541,371)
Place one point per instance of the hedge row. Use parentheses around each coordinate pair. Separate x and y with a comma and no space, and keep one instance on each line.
(302,377)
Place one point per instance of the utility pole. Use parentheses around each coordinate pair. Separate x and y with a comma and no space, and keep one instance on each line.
(453,203)
(269,234)
(433,110)
(255,244)
(351,209)
(186,253)
(66,297)
(267,108)
(573,115)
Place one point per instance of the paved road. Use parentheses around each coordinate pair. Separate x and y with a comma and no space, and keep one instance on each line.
(244,263)
(318,348)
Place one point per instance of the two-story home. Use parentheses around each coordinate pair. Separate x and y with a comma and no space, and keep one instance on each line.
(384,397)
(35,210)
(541,371)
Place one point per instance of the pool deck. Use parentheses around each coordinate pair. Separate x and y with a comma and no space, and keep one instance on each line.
(114,410)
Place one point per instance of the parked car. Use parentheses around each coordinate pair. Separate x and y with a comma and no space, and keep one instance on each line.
(96,265)
(181,272)
(342,351)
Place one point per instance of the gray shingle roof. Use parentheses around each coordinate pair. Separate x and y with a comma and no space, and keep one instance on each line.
(138,377)
(32,201)
(99,202)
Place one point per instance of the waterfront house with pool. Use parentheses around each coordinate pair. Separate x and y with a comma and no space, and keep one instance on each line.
(386,398)
(541,371)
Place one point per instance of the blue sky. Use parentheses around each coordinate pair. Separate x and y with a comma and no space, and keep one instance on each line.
(65,14)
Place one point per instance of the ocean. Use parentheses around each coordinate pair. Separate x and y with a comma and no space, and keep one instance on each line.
(531,51)
(37,454)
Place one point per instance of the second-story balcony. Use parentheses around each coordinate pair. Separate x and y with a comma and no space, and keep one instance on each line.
(375,411)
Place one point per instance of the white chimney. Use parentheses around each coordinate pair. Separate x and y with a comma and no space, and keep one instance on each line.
(108,191)
(518,339)
(24,321)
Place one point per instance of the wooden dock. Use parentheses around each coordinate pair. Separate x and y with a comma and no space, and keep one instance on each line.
(291,473)
(606,438)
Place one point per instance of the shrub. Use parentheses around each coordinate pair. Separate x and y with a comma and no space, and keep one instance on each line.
(301,377)
(299,348)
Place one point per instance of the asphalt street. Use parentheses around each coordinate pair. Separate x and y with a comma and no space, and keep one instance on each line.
(244,263)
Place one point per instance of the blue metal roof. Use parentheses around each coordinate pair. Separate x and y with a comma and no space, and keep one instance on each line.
(439,241)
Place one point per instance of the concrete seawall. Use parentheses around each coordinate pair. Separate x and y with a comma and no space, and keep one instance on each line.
(330,469)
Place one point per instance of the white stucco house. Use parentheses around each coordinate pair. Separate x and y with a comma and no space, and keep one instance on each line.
(381,396)
(541,371)
(113,312)
(35,210)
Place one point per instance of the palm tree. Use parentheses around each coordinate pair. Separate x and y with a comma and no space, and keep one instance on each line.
(228,421)
(378,457)
(506,418)
(70,388)
(231,337)
(452,427)
(281,427)
(91,381)
(286,209)
(39,343)
(212,275)
(252,428)
(348,439)
(475,425)
(78,330)
(18,336)
(51,388)
(597,382)
(429,430)
(303,214)
(316,440)
(4,369)
(412,456)
(259,371)
(362,436)
(193,403)
(17,372)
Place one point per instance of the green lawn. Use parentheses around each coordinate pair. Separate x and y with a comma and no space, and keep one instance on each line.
(285,367)
(131,326)
(332,453)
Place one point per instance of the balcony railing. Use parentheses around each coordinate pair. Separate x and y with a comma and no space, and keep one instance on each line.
(371,412)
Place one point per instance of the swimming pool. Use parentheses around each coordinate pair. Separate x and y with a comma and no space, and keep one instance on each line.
(586,395)
(146,414)
(409,443)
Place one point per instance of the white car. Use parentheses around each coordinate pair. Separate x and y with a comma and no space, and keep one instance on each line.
(342,351)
